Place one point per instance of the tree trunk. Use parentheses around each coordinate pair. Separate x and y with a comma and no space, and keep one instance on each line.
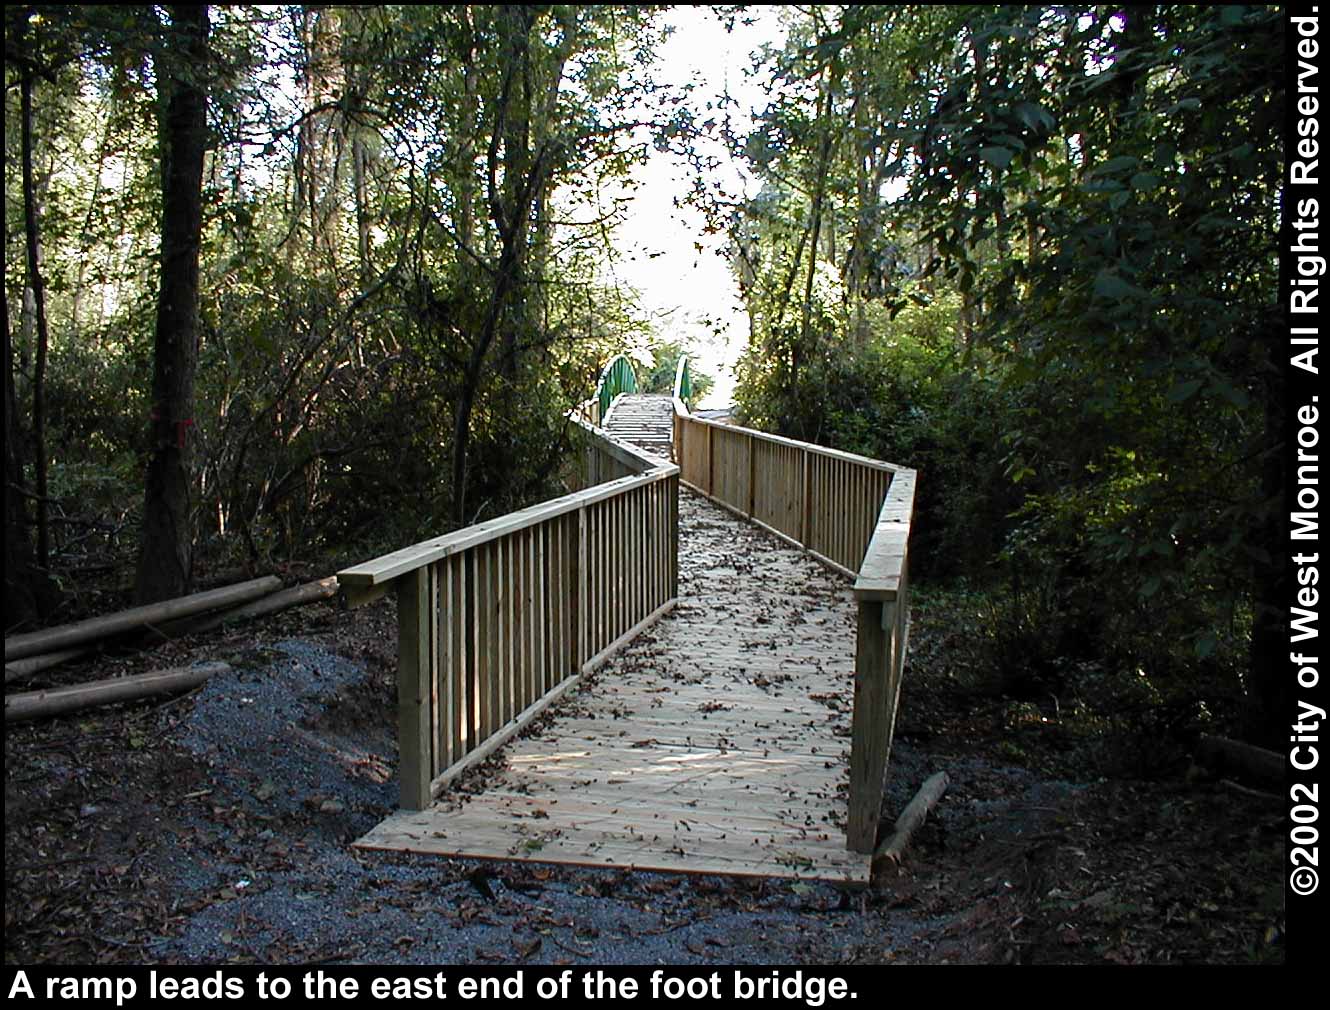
(320,135)
(20,601)
(1270,684)
(165,561)
(38,288)
(516,182)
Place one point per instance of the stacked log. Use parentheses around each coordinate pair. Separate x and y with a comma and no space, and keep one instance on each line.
(31,653)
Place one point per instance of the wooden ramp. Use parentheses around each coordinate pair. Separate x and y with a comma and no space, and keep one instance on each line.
(717,742)
(645,419)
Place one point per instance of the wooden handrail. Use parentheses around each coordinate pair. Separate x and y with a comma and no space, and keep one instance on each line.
(497,621)
(820,450)
(883,568)
(387,567)
(854,514)
(824,500)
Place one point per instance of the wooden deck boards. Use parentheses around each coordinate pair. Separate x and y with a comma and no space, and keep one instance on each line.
(646,419)
(716,742)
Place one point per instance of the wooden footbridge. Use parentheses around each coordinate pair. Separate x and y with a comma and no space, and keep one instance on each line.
(700,680)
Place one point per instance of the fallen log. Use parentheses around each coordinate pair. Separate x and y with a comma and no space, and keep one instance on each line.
(295,596)
(60,700)
(1221,755)
(66,636)
(1256,794)
(915,813)
(21,669)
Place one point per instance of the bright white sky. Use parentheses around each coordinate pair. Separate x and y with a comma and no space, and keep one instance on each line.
(689,294)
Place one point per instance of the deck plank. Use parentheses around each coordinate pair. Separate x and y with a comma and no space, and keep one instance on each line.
(716,742)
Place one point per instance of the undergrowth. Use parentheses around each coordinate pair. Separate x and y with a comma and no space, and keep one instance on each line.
(1074,697)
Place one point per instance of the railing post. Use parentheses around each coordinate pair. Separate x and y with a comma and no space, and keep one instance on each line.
(674,537)
(579,583)
(711,462)
(871,725)
(415,676)
(805,505)
(752,476)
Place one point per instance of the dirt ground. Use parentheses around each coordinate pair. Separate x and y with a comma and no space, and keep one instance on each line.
(215,828)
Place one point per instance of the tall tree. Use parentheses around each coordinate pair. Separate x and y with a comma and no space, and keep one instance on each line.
(529,99)
(39,43)
(165,554)
(20,604)
(37,287)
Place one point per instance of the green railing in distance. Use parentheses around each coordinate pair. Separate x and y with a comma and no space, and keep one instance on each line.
(683,382)
(617,377)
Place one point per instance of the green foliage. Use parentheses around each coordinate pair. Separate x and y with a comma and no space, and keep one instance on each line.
(1067,321)
(381,246)
(904,396)
(1117,705)
(1135,205)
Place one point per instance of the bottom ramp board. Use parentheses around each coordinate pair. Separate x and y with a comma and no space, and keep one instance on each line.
(653,832)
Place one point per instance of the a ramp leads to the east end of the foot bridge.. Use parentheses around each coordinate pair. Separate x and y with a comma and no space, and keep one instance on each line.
(716,742)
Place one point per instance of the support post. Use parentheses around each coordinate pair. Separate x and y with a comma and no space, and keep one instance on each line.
(414,679)
(871,726)
(752,476)
(711,462)
(805,505)
(674,537)
(580,575)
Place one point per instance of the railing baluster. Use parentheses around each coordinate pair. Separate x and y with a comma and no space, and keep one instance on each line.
(506,588)
(457,617)
(559,600)
(578,577)
(540,622)
(673,528)
(489,651)
(752,473)
(473,646)
(443,674)
(520,587)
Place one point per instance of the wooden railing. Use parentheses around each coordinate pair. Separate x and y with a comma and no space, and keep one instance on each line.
(498,620)
(599,457)
(823,500)
(854,514)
